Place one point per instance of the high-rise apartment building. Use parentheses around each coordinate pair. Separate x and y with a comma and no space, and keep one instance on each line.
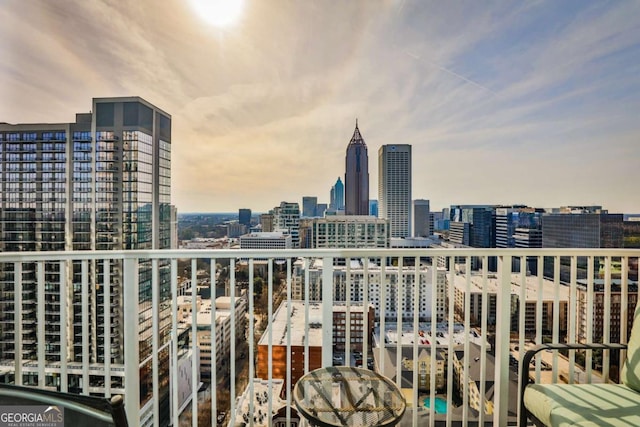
(422,218)
(336,200)
(102,182)
(286,217)
(394,187)
(356,178)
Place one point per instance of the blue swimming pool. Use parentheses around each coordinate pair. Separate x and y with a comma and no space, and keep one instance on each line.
(441,405)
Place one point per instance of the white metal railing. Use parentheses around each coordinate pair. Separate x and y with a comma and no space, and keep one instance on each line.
(565,266)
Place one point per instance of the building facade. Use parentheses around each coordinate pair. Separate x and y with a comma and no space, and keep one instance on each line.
(510,221)
(378,286)
(422,219)
(349,231)
(223,328)
(460,233)
(266,240)
(309,206)
(102,182)
(286,218)
(356,178)
(244,217)
(308,344)
(519,227)
(394,187)
(534,286)
(266,221)
(580,227)
(321,209)
(481,223)
(591,315)
(582,230)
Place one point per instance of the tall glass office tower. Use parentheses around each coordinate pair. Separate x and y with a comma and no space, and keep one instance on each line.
(336,199)
(356,178)
(102,182)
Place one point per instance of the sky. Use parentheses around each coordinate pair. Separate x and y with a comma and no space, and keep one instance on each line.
(534,102)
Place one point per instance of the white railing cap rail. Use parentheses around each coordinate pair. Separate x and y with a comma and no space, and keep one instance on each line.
(313,253)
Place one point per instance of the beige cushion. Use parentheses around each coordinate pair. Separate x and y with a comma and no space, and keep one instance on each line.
(583,404)
(631,367)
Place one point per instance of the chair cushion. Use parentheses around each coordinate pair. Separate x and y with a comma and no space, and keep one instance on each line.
(630,374)
(583,404)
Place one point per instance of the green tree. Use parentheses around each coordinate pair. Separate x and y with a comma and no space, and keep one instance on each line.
(258,283)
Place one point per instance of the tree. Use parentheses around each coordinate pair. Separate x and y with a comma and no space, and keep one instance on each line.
(258,283)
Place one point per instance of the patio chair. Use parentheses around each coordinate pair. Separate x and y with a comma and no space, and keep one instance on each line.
(585,404)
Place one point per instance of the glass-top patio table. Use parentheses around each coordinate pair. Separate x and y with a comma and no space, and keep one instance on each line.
(346,396)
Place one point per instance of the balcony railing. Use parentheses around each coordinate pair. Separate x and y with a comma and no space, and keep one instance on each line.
(462,333)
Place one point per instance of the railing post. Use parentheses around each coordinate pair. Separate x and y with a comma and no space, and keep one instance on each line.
(41,323)
(194,342)
(327,311)
(155,321)
(131,350)
(64,287)
(107,325)
(17,307)
(84,298)
(173,352)
(501,379)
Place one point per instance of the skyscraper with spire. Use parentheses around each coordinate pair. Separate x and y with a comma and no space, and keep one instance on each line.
(356,177)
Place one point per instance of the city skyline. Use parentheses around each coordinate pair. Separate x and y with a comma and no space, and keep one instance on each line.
(533,103)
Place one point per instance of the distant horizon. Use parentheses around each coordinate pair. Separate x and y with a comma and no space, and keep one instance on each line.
(633,214)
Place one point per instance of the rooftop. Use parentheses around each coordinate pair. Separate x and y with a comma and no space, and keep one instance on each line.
(223,309)
(262,396)
(264,235)
(282,320)
(531,283)
(407,336)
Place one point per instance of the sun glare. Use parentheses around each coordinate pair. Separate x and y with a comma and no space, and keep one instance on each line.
(220,13)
